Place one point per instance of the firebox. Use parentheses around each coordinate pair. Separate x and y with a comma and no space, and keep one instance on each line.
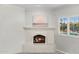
(39,39)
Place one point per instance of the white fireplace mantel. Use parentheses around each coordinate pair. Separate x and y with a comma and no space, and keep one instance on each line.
(47,47)
(39,28)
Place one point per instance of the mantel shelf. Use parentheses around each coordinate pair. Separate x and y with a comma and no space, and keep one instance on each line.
(39,28)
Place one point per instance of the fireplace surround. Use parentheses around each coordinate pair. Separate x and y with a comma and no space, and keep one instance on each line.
(39,40)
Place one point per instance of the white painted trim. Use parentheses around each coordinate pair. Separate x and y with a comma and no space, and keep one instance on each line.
(62,51)
(69,36)
(56,50)
(41,28)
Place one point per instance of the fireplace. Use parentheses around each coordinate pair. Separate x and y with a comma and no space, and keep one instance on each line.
(39,36)
(39,39)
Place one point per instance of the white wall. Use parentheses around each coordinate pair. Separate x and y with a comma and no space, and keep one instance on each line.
(12,20)
(11,32)
(31,12)
(65,43)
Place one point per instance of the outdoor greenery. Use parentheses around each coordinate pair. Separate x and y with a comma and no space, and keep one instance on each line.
(73,25)
(63,27)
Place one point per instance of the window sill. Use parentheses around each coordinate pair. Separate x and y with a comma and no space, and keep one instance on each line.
(69,36)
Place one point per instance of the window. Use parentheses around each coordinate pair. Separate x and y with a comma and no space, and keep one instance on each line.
(69,26)
(74,25)
(63,25)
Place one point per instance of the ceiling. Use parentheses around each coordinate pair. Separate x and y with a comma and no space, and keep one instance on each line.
(51,6)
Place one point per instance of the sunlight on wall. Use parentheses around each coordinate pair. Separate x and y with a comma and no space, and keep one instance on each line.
(39,21)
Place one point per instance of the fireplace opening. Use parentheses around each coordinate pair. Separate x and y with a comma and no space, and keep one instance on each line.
(39,39)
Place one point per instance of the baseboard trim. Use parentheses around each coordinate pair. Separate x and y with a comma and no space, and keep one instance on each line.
(56,50)
(62,51)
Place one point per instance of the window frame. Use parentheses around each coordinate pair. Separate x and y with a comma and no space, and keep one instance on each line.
(68,28)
